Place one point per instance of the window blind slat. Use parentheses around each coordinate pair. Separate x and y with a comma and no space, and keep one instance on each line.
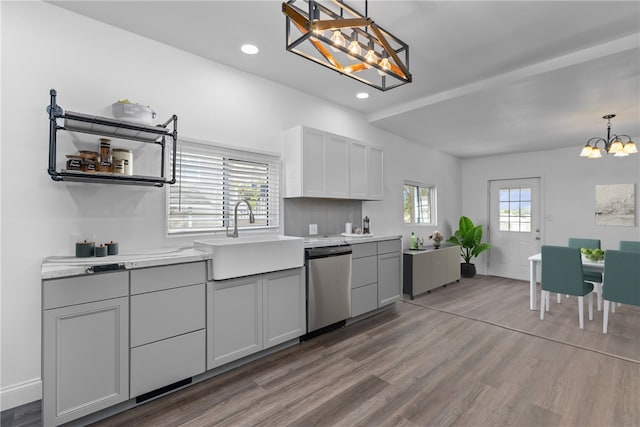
(211,180)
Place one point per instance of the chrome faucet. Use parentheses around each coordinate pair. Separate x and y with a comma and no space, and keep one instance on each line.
(252,219)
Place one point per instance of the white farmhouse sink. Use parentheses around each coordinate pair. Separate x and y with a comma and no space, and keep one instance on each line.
(247,255)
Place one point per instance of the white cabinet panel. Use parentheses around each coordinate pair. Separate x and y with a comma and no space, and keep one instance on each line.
(313,163)
(375,173)
(336,167)
(358,186)
(284,306)
(85,359)
(234,319)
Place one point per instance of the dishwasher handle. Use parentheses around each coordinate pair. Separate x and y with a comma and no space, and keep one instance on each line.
(327,251)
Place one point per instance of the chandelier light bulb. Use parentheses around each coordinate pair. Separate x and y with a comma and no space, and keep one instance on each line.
(385,65)
(338,40)
(354,46)
(370,57)
(586,150)
(630,147)
(595,153)
(616,147)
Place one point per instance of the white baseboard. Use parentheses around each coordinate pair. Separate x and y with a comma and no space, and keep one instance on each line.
(20,393)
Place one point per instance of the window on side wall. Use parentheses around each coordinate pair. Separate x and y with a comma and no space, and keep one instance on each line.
(211,180)
(419,203)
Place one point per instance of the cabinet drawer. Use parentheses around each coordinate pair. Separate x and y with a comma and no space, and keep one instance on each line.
(163,314)
(166,362)
(166,277)
(364,249)
(81,289)
(364,271)
(388,246)
(364,299)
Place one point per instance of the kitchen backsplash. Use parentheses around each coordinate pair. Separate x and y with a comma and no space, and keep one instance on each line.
(329,214)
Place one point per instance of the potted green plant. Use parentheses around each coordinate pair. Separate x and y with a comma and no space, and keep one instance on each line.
(468,237)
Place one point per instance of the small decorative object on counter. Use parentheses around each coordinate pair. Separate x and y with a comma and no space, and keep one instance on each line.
(85,249)
(421,243)
(101,251)
(412,241)
(112,248)
(437,238)
(365,225)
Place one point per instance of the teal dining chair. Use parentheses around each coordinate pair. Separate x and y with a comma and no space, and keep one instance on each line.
(621,281)
(590,276)
(629,246)
(562,273)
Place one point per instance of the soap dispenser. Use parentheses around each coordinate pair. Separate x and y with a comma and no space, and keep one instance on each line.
(412,241)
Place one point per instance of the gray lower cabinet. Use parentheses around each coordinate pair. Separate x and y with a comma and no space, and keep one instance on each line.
(389,278)
(284,315)
(249,314)
(85,345)
(234,319)
(376,275)
(167,325)
(429,269)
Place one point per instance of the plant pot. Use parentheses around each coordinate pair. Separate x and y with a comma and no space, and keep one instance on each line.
(467,270)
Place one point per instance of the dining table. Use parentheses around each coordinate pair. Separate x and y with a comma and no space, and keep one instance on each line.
(534,260)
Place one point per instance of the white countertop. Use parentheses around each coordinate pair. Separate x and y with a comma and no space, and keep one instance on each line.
(427,248)
(55,267)
(321,241)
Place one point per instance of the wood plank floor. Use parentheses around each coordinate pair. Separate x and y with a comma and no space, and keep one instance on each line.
(470,354)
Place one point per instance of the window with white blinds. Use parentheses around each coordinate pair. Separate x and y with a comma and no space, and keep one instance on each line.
(211,180)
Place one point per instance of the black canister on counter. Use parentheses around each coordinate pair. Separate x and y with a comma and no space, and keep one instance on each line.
(112,248)
(85,249)
(101,251)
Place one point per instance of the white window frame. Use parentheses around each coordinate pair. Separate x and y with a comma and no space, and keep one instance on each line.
(433,207)
(223,166)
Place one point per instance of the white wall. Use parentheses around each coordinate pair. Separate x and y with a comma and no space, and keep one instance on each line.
(568,191)
(92,65)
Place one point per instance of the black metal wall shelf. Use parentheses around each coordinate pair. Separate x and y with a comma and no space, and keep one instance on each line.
(104,126)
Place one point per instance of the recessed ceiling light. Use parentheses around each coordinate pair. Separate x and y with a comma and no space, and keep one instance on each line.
(249,49)
(362,95)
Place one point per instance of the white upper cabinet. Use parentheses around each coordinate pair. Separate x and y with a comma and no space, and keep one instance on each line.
(358,170)
(322,164)
(375,176)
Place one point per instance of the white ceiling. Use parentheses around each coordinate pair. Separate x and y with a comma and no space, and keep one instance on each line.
(488,76)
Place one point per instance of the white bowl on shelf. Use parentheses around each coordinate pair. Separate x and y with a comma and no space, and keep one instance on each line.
(135,113)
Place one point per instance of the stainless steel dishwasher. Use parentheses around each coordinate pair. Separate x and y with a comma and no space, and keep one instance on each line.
(328,288)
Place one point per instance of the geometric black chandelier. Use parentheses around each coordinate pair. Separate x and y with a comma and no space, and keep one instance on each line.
(618,145)
(337,36)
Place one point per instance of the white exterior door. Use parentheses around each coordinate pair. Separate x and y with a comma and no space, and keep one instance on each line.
(514,226)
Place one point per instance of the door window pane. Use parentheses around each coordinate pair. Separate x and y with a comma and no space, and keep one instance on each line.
(515,209)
